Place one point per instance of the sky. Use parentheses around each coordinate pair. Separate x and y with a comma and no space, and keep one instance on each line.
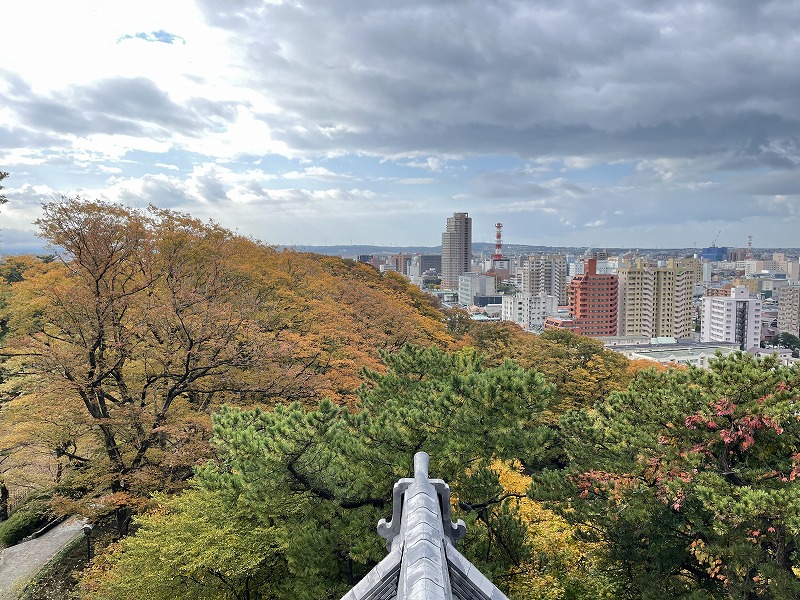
(600,123)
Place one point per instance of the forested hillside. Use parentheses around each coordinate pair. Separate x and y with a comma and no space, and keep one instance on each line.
(248,411)
(120,348)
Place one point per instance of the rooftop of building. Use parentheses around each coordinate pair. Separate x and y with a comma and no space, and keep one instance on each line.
(638,342)
(677,353)
(423,563)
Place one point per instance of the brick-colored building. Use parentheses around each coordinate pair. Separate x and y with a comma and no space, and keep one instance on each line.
(559,323)
(593,301)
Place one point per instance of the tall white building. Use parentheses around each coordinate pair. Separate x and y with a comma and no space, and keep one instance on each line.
(707,270)
(456,249)
(529,310)
(735,318)
(548,274)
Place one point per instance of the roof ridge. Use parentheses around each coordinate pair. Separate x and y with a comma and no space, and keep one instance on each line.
(423,563)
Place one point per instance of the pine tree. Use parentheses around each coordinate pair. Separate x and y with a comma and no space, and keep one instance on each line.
(319,480)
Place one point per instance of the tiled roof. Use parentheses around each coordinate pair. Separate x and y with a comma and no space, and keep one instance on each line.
(423,563)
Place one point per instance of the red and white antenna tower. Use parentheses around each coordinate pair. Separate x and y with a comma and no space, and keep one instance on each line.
(749,255)
(498,242)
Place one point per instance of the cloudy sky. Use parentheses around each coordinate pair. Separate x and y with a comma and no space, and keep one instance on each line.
(631,123)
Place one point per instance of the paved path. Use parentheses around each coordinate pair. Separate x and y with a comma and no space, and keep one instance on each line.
(20,563)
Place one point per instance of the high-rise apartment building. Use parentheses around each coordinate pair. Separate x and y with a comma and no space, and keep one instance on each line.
(693,265)
(736,318)
(593,301)
(546,274)
(688,273)
(657,301)
(456,249)
(789,310)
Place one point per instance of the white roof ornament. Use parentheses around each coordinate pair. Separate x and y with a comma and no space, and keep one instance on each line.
(423,563)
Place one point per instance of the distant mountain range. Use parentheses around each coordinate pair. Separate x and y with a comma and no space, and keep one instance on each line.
(509,250)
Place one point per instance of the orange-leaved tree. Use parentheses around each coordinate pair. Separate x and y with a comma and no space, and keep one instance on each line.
(150,320)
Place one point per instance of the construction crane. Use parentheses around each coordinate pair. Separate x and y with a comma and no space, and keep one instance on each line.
(716,237)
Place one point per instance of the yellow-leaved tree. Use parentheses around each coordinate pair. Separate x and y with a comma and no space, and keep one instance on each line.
(560,564)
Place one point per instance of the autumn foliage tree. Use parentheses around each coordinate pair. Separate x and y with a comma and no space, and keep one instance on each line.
(691,480)
(582,370)
(558,563)
(150,320)
(145,317)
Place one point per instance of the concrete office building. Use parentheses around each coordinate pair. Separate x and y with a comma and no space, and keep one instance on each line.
(430,262)
(529,311)
(475,284)
(604,267)
(402,262)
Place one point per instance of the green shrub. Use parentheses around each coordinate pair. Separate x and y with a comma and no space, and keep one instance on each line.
(26,519)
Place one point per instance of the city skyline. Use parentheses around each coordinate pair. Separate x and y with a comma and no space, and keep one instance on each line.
(620,124)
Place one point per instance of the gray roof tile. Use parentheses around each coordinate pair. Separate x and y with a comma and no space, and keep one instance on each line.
(423,563)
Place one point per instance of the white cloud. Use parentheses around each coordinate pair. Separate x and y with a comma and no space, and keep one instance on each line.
(415,180)
(313,173)
(245,135)
(114,147)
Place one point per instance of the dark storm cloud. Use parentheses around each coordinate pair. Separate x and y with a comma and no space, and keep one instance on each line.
(508,185)
(129,106)
(16,137)
(210,188)
(536,78)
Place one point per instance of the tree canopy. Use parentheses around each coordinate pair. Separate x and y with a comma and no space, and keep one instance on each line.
(255,406)
(788,340)
(690,477)
(316,482)
(119,351)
